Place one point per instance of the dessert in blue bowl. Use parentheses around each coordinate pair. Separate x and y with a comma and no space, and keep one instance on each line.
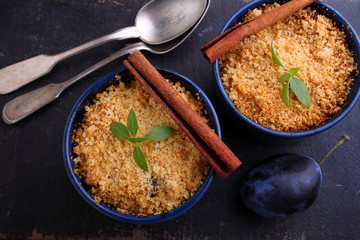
(102,168)
(320,42)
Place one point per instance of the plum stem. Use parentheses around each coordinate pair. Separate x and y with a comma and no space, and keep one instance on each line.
(345,138)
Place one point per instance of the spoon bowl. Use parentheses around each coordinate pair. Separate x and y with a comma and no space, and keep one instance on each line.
(161,21)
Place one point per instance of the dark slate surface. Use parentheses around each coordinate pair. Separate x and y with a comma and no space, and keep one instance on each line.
(36,196)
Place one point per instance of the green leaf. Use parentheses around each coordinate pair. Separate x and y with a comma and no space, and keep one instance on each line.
(285,94)
(132,140)
(139,158)
(275,57)
(284,77)
(119,130)
(132,123)
(301,91)
(140,140)
(293,71)
(160,133)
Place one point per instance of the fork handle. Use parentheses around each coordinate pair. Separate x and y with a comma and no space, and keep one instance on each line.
(14,76)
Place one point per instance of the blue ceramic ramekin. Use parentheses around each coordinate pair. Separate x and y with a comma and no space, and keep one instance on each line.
(256,130)
(76,116)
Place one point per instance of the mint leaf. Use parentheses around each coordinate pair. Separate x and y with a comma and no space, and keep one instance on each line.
(285,94)
(284,77)
(132,140)
(137,140)
(293,71)
(160,133)
(132,123)
(119,130)
(139,158)
(275,57)
(301,91)
(140,140)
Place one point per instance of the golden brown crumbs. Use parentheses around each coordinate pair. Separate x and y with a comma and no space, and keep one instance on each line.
(307,40)
(176,167)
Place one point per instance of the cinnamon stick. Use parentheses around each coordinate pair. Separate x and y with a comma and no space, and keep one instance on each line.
(220,157)
(227,40)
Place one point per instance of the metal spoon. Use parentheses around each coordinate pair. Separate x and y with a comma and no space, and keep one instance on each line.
(157,22)
(26,104)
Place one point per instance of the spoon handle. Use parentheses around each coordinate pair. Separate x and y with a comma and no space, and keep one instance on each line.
(17,75)
(28,103)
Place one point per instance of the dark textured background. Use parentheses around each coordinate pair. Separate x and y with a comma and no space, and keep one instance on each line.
(37,199)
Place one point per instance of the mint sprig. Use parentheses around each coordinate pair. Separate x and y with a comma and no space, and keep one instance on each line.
(296,84)
(122,132)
